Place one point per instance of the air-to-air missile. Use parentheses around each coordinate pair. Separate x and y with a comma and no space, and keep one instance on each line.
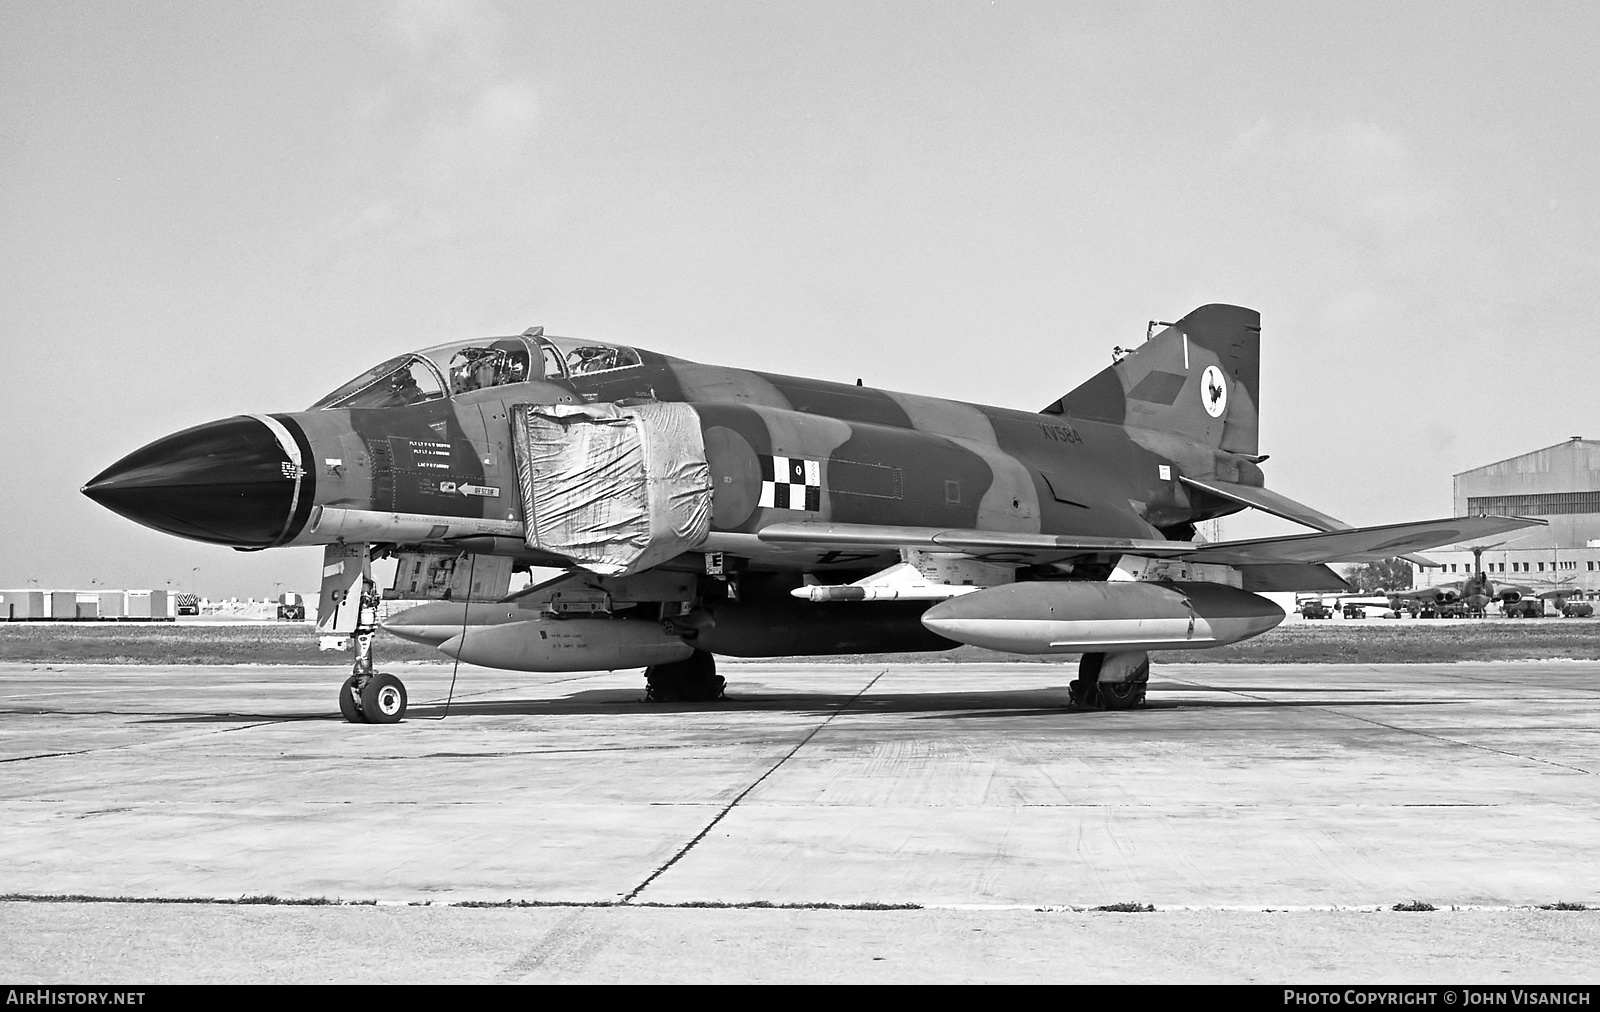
(699,509)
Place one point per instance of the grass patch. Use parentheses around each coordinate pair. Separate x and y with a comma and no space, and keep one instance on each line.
(1372,641)
(1414,906)
(1563,906)
(181,643)
(512,904)
(687,905)
(1126,908)
(309,901)
(242,901)
(769,905)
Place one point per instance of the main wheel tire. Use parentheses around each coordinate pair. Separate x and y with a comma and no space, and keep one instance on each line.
(350,700)
(383,699)
(1084,690)
(705,684)
(1121,695)
(691,680)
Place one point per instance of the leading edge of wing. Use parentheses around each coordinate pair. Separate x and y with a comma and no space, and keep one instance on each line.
(1357,544)
(1007,546)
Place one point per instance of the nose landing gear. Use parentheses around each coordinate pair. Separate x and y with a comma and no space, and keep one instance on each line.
(368,696)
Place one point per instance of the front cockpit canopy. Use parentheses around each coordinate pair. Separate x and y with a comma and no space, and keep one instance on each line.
(464,366)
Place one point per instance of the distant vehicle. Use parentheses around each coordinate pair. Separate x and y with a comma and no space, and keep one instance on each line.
(1577,609)
(291,608)
(1314,608)
(1371,605)
(187,604)
(1528,607)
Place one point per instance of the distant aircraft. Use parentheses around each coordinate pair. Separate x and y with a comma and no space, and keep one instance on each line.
(1476,592)
(700,509)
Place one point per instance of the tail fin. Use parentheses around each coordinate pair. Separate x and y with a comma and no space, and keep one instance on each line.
(1200,378)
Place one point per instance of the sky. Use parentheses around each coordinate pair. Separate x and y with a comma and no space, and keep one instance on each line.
(214,209)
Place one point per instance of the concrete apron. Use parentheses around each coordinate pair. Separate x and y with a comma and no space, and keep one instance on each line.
(1284,786)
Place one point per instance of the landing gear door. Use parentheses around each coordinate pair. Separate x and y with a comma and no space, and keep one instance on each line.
(339,604)
(615,489)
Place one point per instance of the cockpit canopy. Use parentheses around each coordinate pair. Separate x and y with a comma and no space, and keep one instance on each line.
(464,366)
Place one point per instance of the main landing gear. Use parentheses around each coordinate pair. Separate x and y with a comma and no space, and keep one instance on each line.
(692,680)
(1111,681)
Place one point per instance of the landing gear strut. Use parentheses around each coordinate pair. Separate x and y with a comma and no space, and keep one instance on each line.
(368,696)
(692,680)
(1110,681)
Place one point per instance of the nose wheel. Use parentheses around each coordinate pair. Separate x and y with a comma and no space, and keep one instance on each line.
(383,699)
(373,699)
(350,700)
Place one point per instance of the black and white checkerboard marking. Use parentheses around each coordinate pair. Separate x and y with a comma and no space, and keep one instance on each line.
(790,483)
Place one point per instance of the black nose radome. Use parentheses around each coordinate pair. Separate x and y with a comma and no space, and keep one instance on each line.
(241,481)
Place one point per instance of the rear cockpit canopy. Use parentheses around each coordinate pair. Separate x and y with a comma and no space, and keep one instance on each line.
(464,366)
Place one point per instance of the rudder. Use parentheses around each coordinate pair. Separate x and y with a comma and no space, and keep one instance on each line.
(1200,378)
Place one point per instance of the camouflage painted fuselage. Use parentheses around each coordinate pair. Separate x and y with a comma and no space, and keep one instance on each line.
(1103,462)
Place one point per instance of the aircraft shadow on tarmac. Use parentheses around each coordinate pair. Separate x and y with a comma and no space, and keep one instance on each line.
(228,717)
(931,705)
(1049,701)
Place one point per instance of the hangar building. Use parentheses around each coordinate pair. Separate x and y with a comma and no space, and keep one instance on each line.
(1559,484)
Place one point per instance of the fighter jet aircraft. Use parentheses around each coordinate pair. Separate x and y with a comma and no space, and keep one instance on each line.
(700,509)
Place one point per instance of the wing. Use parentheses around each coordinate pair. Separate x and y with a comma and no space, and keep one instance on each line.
(1557,595)
(1438,592)
(1358,544)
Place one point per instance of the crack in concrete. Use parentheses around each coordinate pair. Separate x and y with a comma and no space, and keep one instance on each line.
(674,859)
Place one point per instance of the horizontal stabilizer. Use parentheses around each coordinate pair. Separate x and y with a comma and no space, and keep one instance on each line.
(1267,501)
(1357,544)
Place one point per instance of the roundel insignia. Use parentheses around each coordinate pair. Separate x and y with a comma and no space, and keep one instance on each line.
(1214,391)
